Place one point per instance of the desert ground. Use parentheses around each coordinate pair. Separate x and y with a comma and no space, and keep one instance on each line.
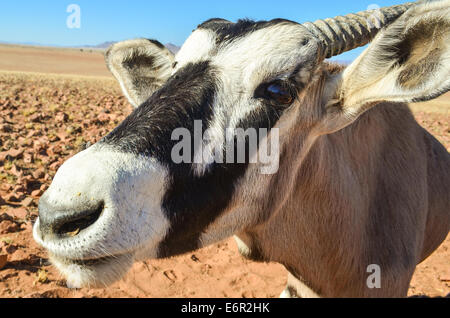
(53,101)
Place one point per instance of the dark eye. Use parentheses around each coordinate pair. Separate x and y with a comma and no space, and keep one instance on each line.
(279,93)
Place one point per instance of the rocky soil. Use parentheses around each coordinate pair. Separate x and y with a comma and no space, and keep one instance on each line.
(44,120)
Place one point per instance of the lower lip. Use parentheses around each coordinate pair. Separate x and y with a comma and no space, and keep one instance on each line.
(93,262)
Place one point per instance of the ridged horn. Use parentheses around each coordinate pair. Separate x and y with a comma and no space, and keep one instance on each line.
(344,33)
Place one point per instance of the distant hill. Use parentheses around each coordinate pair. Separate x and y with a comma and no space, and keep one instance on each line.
(23,43)
(102,46)
(173,48)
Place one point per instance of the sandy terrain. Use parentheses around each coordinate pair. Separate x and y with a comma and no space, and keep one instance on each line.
(46,118)
(52,60)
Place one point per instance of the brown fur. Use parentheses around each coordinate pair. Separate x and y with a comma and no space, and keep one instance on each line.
(359,181)
(375,192)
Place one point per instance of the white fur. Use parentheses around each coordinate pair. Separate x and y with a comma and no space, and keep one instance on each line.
(196,48)
(244,64)
(132,220)
(125,50)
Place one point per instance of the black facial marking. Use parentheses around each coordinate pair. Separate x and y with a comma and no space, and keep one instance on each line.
(191,203)
(187,96)
(228,31)
(214,24)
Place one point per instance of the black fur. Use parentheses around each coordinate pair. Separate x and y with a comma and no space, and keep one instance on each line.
(191,203)
(187,96)
(227,31)
(157,43)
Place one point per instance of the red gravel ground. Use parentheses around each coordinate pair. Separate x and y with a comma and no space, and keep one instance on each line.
(45,119)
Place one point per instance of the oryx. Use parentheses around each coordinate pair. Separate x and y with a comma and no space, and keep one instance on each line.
(359,182)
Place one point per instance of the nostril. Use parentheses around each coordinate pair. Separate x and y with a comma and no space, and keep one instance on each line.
(74,224)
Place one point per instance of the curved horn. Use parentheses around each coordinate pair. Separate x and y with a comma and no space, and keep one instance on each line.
(345,33)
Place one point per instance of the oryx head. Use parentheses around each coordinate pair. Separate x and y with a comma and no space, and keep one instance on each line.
(138,194)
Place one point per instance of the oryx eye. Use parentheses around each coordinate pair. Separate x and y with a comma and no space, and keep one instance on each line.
(280,93)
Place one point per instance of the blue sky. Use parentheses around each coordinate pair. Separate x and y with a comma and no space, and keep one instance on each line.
(44,21)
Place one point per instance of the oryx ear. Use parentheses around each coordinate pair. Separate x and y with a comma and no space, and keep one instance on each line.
(409,61)
(141,66)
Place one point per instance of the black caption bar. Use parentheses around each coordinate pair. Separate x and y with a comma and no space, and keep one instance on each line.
(223,307)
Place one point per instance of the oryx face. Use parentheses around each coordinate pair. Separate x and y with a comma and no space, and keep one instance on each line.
(128,197)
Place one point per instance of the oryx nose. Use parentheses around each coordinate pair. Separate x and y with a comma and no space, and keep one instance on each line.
(67,221)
